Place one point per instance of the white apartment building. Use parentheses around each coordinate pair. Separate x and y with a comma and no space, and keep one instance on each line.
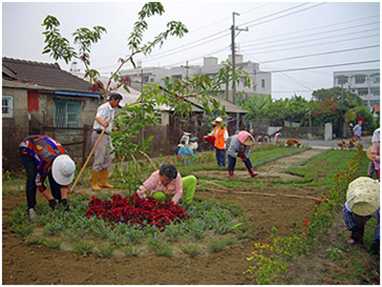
(260,81)
(364,83)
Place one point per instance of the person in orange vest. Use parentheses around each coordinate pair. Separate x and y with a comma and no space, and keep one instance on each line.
(221,135)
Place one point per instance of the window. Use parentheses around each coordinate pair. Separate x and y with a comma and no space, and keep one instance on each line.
(176,77)
(362,91)
(375,78)
(360,79)
(7,106)
(374,91)
(263,84)
(67,114)
(341,80)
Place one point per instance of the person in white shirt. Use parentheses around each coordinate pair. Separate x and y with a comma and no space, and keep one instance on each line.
(103,152)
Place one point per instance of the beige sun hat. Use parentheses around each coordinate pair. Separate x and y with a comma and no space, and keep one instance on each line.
(63,169)
(218,120)
(362,196)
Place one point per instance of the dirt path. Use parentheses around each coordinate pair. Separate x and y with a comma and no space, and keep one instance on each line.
(270,171)
(23,264)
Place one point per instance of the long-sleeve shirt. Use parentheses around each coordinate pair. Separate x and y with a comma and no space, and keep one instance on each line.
(43,150)
(235,147)
(153,184)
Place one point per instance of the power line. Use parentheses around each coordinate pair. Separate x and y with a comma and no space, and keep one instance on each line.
(319,67)
(288,14)
(310,35)
(273,14)
(266,51)
(314,28)
(319,54)
(188,48)
(208,38)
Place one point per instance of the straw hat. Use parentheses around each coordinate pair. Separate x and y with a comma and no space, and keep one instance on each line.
(362,196)
(63,169)
(218,120)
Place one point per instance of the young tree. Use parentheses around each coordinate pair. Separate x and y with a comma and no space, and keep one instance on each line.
(134,117)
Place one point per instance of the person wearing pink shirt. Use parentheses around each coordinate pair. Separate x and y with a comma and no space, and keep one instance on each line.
(167,182)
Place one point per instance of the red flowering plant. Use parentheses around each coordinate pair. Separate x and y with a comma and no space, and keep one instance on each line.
(135,210)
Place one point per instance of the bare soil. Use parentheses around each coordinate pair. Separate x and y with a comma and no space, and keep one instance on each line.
(23,264)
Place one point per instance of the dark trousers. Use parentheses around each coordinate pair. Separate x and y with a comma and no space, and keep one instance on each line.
(220,156)
(232,162)
(31,171)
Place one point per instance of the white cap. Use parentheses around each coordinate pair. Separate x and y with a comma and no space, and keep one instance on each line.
(63,169)
(362,196)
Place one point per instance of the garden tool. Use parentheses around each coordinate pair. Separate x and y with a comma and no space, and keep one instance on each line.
(103,176)
(95,174)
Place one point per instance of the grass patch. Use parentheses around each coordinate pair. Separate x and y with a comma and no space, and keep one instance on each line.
(191,249)
(83,248)
(160,248)
(219,245)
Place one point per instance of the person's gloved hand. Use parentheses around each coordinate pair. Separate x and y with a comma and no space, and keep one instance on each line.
(41,188)
(241,155)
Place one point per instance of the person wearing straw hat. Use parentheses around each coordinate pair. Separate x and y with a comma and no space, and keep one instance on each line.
(240,146)
(103,151)
(220,135)
(43,157)
(373,155)
(362,202)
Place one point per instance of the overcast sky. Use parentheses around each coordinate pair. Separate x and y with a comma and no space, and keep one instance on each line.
(346,32)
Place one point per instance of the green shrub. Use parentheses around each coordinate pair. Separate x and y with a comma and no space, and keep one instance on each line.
(83,248)
(104,251)
(191,249)
(219,245)
(160,248)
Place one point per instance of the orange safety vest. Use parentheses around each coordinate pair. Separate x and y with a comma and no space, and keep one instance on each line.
(219,137)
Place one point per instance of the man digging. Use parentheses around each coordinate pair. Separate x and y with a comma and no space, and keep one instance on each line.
(102,127)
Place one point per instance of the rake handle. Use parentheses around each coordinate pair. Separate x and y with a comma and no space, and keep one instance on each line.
(88,158)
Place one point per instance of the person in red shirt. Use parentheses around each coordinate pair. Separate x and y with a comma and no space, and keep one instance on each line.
(43,157)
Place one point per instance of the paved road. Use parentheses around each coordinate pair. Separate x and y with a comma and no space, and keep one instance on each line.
(322,144)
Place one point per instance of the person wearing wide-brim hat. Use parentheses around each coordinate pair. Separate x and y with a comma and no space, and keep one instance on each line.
(43,157)
(240,146)
(362,202)
(220,135)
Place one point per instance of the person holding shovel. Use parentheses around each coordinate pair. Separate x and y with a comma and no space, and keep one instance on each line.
(43,157)
(102,127)
(167,183)
(362,202)
(240,146)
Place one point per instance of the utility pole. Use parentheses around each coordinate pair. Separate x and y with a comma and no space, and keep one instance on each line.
(141,80)
(187,67)
(233,50)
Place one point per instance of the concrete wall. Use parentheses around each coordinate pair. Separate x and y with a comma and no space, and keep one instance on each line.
(12,136)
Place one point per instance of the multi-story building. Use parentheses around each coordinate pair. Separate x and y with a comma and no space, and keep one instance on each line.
(260,81)
(364,83)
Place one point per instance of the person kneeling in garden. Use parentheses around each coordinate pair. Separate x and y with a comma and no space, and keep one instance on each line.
(167,182)
(362,202)
(240,146)
(43,157)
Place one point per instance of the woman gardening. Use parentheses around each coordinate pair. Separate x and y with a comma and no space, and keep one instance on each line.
(167,183)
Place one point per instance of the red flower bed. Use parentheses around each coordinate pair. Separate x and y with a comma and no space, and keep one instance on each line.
(134,210)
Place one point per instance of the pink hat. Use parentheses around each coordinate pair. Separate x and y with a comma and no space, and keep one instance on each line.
(243,136)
